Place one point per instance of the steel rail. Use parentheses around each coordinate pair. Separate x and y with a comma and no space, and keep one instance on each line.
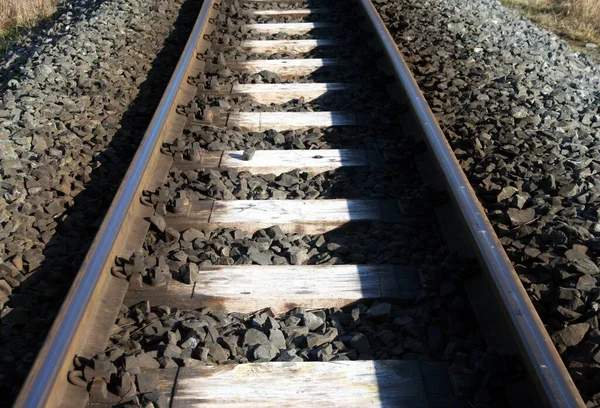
(540,354)
(45,372)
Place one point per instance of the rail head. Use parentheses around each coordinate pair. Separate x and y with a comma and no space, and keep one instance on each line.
(534,342)
(47,370)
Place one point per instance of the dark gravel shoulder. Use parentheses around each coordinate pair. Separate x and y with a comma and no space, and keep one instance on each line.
(521,110)
(75,100)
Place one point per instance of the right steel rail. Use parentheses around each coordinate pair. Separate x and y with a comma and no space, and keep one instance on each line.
(533,340)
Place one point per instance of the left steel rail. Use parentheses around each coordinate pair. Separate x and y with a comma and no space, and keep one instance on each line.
(46,384)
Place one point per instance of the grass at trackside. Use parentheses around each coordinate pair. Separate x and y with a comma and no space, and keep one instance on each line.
(17,17)
(11,35)
(576,21)
(579,26)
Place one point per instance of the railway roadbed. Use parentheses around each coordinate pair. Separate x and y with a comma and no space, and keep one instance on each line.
(293,230)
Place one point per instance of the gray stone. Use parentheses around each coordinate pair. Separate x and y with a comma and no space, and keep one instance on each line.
(315,340)
(288,356)
(274,232)
(254,337)
(171,234)
(360,343)
(266,351)
(416,346)
(144,361)
(586,283)
(506,193)
(379,311)
(311,320)
(570,190)
(321,353)
(191,234)
(261,258)
(520,217)
(190,273)
(586,266)
(571,335)
(171,351)
(158,222)
(218,353)
(249,154)
(167,362)
(277,338)
(6,269)
(147,382)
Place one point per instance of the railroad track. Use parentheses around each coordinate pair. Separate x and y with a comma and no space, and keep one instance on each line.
(282,193)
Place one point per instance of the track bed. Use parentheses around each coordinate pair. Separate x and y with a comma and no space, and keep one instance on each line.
(286,243)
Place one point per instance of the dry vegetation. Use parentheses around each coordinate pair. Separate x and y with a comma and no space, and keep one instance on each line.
(14,13)
(576,20)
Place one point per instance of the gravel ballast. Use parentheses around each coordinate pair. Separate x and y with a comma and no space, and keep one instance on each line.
(438,325)
(520,109)
(293,185)
(62,159)
(75,99)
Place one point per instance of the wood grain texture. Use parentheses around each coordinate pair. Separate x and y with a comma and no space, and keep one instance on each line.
(304,283)
(247,288)
(293,216)
(387,383)
(258,121)
(281,93)
(383,383)
(293,46)
(299,12)
(288,28)
(284,211)
(285,68)
(281,161)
